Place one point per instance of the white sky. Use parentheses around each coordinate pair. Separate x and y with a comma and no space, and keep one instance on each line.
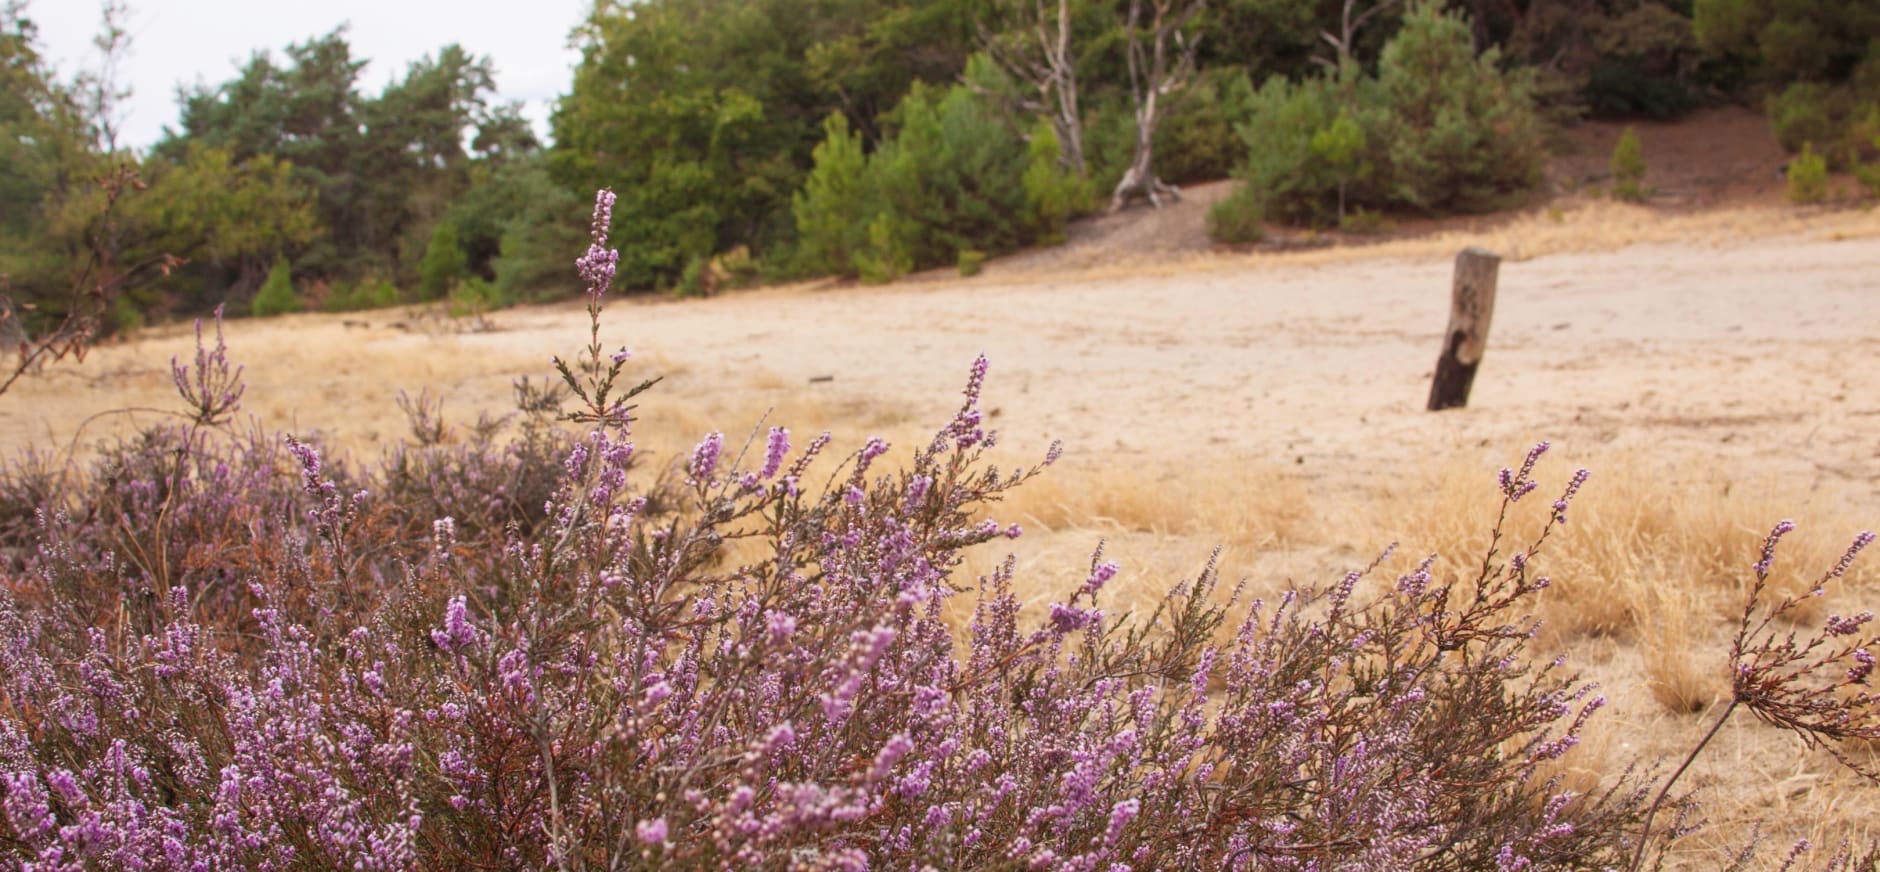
(182,42)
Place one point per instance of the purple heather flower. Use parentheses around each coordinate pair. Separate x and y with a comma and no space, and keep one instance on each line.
(1863,667)
(1839,626)
(780,625)
(1782,528)
(458,632)
(598,264)
(705,458)
(1069,619)
(775,450)
(1861,540)
(651,832)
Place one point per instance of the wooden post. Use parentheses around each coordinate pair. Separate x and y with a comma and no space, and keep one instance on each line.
(1471,305)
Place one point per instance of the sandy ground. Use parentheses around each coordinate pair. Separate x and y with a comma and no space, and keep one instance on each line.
(1721,352)
(1755,353)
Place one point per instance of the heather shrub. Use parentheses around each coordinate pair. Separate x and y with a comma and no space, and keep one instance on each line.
(231,651)
(277,296)
(1628,167)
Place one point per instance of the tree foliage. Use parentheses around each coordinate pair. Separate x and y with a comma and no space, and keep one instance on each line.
(826,136)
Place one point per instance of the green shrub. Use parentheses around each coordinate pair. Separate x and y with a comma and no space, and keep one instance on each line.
(341,296)
(694,279)
(831,211)
(1438,129)
(384,294)
(1804,112)
(886,257)
(277,295)
(970,262)
(1868,174)
(474,297)
(1053,193)
(1808,176)
(1282,174)
(1365,221)
(1628,167)
(1458,133)
(1237,218)
(1196,140)
(951,176)
(444,263)
(543,225)
(125,316)
(1338,150)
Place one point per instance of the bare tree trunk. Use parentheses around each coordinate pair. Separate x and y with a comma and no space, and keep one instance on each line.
(1348,27)
(1471,306)
(1068,121)
(1049,67)
(1153,74)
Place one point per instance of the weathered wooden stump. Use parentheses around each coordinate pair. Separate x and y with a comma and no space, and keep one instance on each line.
(1471,305)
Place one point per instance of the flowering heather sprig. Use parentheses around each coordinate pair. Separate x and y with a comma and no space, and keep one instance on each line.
(1768,556)
(1816,688)
(600,369)
(775,449)
(1515,485)
(704,461)
(211,389)
(598,263)
(1573,489)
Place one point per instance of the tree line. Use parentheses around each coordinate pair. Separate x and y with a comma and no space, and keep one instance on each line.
(770,139)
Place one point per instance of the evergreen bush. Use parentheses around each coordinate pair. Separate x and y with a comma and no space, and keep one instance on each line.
(1808,176)
(1458,133)
(1238,218)
(277,296)
(1628,167)
(443,265)
(831,210)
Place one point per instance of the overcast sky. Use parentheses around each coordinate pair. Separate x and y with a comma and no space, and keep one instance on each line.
(182,42)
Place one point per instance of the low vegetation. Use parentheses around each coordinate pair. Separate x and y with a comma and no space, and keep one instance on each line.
(230,650)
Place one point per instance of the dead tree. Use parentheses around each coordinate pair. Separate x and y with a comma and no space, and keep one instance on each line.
(1348,27)
(1157,71)
(1039,54)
